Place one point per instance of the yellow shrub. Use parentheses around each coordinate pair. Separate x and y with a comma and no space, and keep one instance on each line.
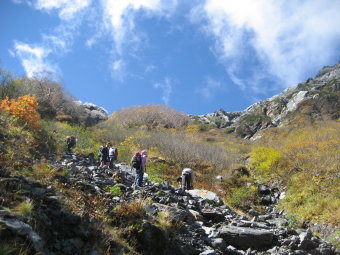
(265,161)
(192,128)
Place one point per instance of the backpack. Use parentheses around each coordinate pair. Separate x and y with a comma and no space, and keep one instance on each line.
(136,162)
(186,180)
(116,153)
(112,152)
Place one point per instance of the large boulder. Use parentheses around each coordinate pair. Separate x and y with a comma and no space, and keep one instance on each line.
(245,238)
(95,113)
(206,195)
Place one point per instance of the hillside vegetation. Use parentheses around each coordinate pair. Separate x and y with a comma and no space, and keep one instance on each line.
(302,158)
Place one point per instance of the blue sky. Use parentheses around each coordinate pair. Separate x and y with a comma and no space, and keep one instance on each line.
(196,56)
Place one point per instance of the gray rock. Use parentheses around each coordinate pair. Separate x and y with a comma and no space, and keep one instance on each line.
(233,251)
(153,238)
(197,216)
(206,195)
(21,228)
(176,214)
(246,237)
(218,244)
(212,214)
(208,252)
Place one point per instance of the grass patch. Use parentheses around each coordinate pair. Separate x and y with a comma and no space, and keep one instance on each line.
(129,214)
(167,223)
(24,208)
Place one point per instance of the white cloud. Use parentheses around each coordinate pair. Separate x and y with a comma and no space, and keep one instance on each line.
(68,9)
(150,68)
(288,39)
(211,86)
(33,59)
(118,70)
(11,53)
(166,87)
(119,17)
(36,58)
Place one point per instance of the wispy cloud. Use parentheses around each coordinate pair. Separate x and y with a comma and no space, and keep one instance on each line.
(166,87)
(33,59)
(287,39)
(119,18)
(150,68)
(113,18)
(67,9)
(210,88)
(118,70)
(37,57)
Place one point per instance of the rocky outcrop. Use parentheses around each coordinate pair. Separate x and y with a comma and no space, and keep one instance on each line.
(194,223)
(317,98)
(95,114)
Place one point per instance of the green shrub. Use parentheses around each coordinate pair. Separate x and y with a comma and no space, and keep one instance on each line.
(242,197)
(7,249)
(86,140)
(115,190)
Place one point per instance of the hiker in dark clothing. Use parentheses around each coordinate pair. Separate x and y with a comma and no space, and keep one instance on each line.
(104,156)
(70,142)
(136,163)
(187,179)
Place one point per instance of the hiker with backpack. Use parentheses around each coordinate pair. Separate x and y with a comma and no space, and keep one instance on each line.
(113,154)
(104,156)
(187,179)
(136,163)
(70,142)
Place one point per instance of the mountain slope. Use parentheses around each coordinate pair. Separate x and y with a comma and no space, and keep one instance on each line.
(315,99)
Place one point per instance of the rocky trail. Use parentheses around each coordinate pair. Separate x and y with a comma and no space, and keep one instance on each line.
(197,221)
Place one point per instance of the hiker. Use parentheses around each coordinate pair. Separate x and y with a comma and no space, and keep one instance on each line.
(144,154)
(70,142)
(136,163)
(187,179)
(113,154)
(104,156)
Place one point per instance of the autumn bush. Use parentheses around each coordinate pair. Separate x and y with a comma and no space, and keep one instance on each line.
(25,108)
(17,144)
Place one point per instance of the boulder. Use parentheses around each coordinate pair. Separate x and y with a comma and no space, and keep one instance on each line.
(20,228)
(152,238)
(206,195)
(176,214)
(218,244)
(245,238)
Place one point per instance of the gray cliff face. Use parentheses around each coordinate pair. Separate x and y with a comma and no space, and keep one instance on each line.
(316,97)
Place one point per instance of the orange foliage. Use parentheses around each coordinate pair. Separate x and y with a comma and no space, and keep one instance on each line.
(25,108)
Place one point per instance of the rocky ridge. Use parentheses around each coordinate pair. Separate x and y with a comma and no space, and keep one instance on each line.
(316,97)
(197,224)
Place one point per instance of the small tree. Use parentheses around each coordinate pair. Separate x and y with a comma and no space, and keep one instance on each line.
(8,87)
